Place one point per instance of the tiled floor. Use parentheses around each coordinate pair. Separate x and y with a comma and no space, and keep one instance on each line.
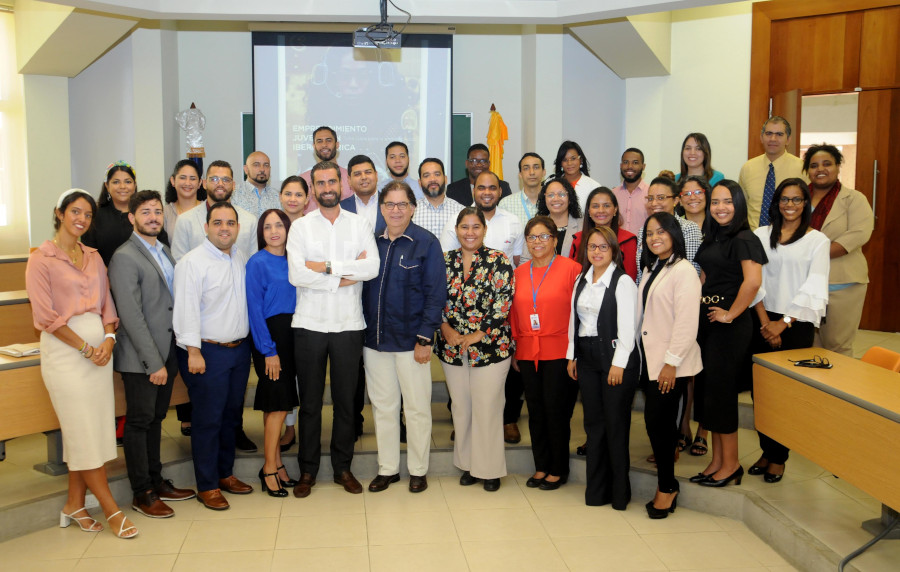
(448,527)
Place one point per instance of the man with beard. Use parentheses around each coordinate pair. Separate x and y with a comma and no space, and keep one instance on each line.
(255,194)
(523,203)
(396,157)
(504,230)
(330,252)
(363,182)
(190,227)
(632,193)
(761,175)
(325,148)
(478,160)
(141,276)
(437,208)
(211,326)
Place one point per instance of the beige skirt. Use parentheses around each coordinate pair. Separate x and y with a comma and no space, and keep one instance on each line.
(82,396)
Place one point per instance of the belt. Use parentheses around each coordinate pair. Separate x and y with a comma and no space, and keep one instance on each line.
(233,344)
(714,299)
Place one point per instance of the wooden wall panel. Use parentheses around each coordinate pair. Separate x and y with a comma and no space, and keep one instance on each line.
(814,54)
(879,58)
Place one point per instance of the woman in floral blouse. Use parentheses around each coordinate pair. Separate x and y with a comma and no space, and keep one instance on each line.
(474,349)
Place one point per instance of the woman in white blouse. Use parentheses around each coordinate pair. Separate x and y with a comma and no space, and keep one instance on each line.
(795,287)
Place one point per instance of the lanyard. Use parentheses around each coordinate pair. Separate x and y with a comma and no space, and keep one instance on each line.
(533,290)
(526,206)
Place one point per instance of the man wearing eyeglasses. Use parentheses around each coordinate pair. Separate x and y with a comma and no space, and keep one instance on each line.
(402,307)
(189,228)
(478,160)
(761,175)
(330,253)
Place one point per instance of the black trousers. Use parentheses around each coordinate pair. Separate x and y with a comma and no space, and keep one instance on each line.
(146,407)
(313,351)
(359,399)
(663,426)
(547,395)
(514,388)
(607,421)
(799,335)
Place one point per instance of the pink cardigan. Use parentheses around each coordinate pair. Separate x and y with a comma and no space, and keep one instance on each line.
(670,319)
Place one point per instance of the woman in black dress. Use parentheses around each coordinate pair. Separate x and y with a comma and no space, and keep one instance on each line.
(731,258)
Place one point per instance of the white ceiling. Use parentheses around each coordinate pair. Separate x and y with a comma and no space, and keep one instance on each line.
(368,11)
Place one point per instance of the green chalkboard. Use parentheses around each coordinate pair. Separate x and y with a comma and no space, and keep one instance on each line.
(461,139)
(249,135)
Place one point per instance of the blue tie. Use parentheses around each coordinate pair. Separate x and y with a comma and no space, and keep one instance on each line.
(768,193)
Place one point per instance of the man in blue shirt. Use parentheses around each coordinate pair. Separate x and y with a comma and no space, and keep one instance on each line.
(402,307)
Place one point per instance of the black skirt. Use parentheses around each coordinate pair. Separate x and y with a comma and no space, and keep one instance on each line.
(280,394)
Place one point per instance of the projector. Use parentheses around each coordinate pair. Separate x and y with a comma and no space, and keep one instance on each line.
(382,36)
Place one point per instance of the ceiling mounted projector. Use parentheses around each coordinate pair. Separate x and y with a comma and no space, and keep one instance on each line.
(382,34)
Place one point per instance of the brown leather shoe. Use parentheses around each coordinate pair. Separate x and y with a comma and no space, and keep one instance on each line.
(306,482)
(213,499)
(511,433)
(349,482)
(234,486)
(167,491)
(382,482)
(148,504)
(417,484)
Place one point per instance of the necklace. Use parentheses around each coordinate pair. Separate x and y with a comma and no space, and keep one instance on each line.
(73,254)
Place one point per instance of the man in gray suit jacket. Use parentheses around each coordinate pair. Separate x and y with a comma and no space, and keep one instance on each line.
(141,273)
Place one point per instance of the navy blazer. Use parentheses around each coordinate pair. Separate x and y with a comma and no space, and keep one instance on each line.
(349,205)
(461,191)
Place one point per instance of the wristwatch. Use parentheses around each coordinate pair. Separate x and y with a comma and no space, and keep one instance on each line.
(787,320)
(423,341)
(327,267)
(110,336)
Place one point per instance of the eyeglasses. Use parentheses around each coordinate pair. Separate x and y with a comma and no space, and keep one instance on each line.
(660,198)
(572,159)
(560,195)
(216,180)
(697,192)
(398,206)
(543,237)
(596,247)
(478,161)
(795,200)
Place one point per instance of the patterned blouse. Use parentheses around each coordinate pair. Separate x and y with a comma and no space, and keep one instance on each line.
(480,303)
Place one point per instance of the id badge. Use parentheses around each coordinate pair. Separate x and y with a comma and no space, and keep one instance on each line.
(535,322)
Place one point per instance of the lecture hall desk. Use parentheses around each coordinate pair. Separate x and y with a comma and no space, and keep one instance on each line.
(845,419)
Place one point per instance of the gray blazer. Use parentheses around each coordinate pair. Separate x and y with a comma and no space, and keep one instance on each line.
(144,305)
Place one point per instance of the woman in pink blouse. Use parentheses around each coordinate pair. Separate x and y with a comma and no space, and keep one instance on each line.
(73,309)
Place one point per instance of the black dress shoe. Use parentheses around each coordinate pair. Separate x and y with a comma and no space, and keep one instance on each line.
(491,485)
(186,431)
(700,477)
(289,482)
(757,469)
(466,479)
(417,484)
(552,486)
(658,513)
(243,443)
(382,482)
(534,482)
(772,477)
(735,476)
(279,492)
(286,446)
(581,450)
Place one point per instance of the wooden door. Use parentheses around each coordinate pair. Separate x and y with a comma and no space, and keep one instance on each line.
(788,105)
(878,122)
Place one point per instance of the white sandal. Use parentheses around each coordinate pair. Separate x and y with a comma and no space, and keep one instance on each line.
(123,530)
(66,519)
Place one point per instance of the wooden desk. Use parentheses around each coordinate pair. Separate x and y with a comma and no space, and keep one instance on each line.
(845,419)
(16,322)
(12,272)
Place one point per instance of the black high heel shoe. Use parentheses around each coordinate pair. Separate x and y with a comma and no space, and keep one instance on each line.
(658,513)
(280,492)
(735,476)
(289,483)
(700,477)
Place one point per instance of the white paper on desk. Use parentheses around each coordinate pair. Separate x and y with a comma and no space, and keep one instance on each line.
(21,350)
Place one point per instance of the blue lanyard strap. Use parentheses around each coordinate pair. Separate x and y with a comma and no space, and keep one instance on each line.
(533,290)
(526,206)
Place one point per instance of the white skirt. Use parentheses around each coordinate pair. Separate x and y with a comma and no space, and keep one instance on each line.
(82,396)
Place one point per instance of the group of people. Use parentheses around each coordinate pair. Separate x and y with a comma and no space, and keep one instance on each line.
(564,287)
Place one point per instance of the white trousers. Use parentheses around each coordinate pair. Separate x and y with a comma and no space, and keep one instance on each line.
(388,376)
(478,400)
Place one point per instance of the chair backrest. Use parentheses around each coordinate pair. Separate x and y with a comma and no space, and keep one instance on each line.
(883,358)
